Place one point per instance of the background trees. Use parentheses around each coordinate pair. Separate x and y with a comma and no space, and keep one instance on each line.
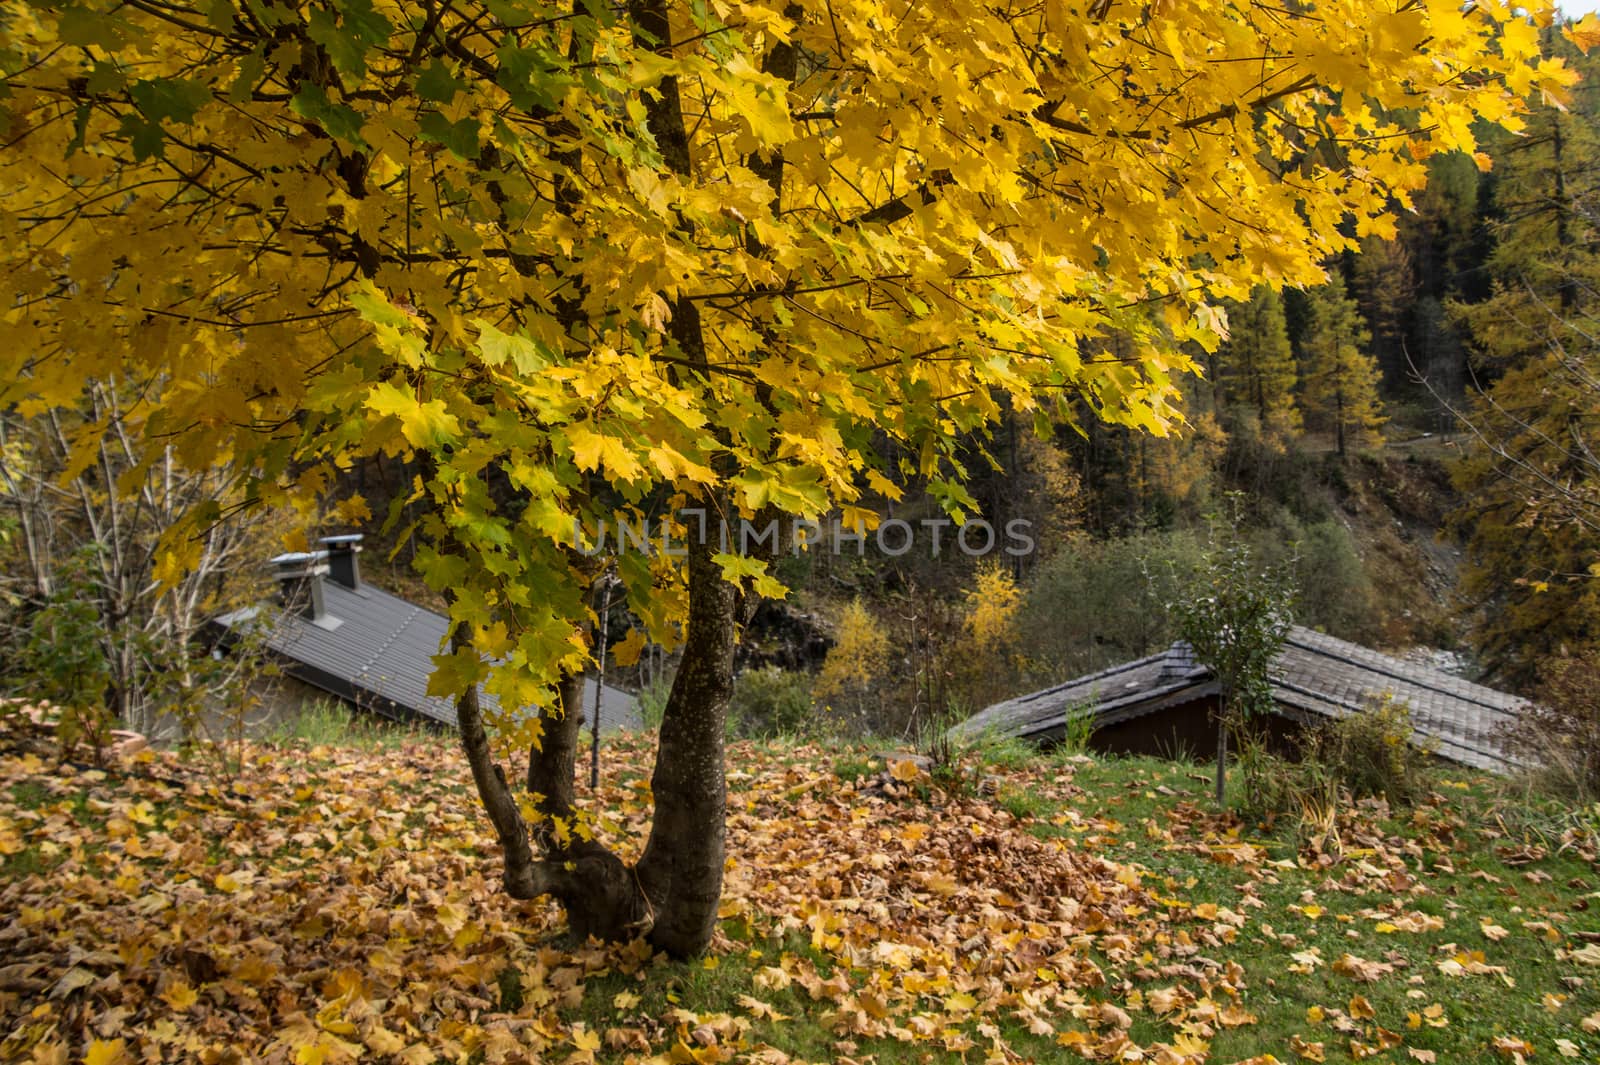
(1257,371)
(578,261)
(1530,483)
(90,619)
(1340,376)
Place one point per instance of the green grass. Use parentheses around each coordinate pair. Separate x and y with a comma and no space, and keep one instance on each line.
(1448,859)
(1457,866)
(330,724)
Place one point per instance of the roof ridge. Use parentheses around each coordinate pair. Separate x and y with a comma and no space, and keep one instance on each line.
(1108,671)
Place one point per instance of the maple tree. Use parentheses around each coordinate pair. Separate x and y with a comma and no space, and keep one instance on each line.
(583,260)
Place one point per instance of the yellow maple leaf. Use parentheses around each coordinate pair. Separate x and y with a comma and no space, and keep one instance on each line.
(179,995)
(960,1002)
(1585,33)
(1307,1050)
(106,1052)
(311,1054)
(904,770)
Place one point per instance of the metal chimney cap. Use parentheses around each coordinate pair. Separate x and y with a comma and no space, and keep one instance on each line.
(291,562)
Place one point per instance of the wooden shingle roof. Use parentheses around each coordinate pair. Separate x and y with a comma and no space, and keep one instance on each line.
(1314,675)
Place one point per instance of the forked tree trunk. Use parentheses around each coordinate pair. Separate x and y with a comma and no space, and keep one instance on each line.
(671,896)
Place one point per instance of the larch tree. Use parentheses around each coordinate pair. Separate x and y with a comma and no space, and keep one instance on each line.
(1384,283)
(583,261)
(1257,364)
(1339,376)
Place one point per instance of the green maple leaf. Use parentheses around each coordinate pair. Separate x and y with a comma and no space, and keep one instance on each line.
(425,424)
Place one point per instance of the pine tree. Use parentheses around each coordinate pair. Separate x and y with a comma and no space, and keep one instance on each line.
(1339,378)
(1257,371)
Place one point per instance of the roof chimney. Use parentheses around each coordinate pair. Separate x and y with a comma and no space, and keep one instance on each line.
(343,565)
(300,576)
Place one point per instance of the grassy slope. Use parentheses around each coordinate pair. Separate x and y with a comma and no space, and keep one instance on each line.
(333,902)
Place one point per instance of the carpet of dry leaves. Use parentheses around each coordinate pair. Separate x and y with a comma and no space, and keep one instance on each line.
(328,904)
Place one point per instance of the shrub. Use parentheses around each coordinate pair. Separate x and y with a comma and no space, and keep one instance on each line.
(985,658)
(1333,592)
(771,702)
(1302,794)
(1098,603)
(944,753)
(1559,738)
(1076,731)
(60,659)
(853,673)
(653,702)
(1372,753)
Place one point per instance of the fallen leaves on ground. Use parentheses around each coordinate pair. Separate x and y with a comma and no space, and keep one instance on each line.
(329,904)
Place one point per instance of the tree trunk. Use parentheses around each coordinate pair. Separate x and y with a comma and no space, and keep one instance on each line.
(598,892)
(1222,753)
(681,868)
(552,764)
(672,894)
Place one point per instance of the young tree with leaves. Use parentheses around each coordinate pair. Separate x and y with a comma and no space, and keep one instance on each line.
(580,260)
(1339,377)
(1235,614)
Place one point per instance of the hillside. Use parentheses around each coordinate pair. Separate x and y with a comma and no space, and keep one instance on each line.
(338,903)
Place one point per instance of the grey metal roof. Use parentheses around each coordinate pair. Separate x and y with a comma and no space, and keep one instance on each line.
(1312,674)
(375,650)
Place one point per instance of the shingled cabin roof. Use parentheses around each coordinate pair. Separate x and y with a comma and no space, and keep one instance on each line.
(367,647)
(1314,676)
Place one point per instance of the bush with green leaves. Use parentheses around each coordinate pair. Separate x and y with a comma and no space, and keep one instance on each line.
(1332,591)
(1098,603)
(59,658)
(771,702)
(653,702)
(1372,752)
(1234,611)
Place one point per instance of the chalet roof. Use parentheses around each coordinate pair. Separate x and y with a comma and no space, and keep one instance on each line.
(1314,675)
(375,650)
